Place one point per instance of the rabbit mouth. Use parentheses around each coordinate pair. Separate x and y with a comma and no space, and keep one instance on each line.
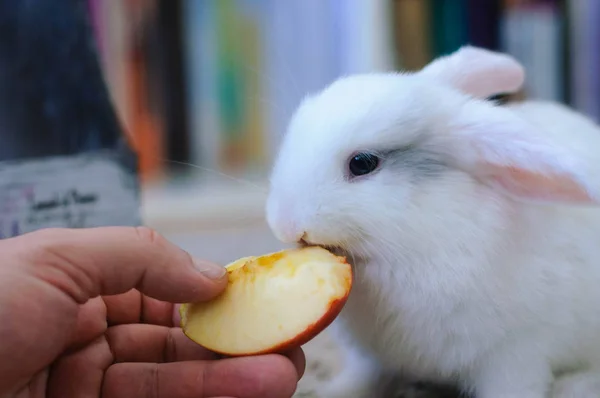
(337,250)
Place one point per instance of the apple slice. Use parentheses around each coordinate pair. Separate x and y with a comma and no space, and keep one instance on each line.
(273,303)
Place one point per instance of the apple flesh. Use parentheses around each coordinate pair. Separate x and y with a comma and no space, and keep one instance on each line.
(273,303)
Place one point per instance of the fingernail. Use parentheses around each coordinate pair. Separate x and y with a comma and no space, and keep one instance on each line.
(210,270)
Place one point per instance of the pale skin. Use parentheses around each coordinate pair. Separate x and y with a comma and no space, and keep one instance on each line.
(90,313)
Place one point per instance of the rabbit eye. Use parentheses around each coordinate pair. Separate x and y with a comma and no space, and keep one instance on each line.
(363,163)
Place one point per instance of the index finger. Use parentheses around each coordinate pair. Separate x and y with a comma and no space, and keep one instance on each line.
(86,263)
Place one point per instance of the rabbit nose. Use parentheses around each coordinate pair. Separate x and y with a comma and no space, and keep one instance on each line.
(286,230)
(284,222)
(292,235)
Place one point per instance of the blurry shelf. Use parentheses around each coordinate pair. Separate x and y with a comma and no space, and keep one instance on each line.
(197,204)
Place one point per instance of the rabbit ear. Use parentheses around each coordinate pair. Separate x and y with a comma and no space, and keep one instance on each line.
(501,149)
(478,72)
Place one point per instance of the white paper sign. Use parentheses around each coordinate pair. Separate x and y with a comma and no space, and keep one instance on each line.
(87,190)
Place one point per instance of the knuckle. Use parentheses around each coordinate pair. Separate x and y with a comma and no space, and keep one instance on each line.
(148,235)
(170,349)
(45,243)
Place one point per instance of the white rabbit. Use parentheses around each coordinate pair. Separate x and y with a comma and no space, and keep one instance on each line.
(473,228)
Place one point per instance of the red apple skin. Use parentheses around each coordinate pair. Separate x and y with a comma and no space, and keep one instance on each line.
(311,331)
(335,307)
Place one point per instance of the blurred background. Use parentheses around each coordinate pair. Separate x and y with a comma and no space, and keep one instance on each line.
(202,91)
(205,88)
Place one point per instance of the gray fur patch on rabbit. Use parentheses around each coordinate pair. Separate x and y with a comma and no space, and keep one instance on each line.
(393,387)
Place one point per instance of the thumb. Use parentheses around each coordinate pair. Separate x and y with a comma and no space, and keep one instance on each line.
(85,263)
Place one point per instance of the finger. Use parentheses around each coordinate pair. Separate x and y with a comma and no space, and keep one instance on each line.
(85,263)
(156,312)
(176,315)
(91,323)
(150,343)
(134,307)
(123,308)
(296,356)
(299,360)
(80,374)
(97,314)
(269,376)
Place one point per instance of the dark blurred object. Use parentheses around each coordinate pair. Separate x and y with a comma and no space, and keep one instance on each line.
(173,79)
(394,386)
(506,98)
(567,56)
(499,99)
(53,99)
(450,24)
(483,23)
(64,161)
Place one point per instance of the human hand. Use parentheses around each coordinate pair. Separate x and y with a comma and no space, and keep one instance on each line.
(89,313)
